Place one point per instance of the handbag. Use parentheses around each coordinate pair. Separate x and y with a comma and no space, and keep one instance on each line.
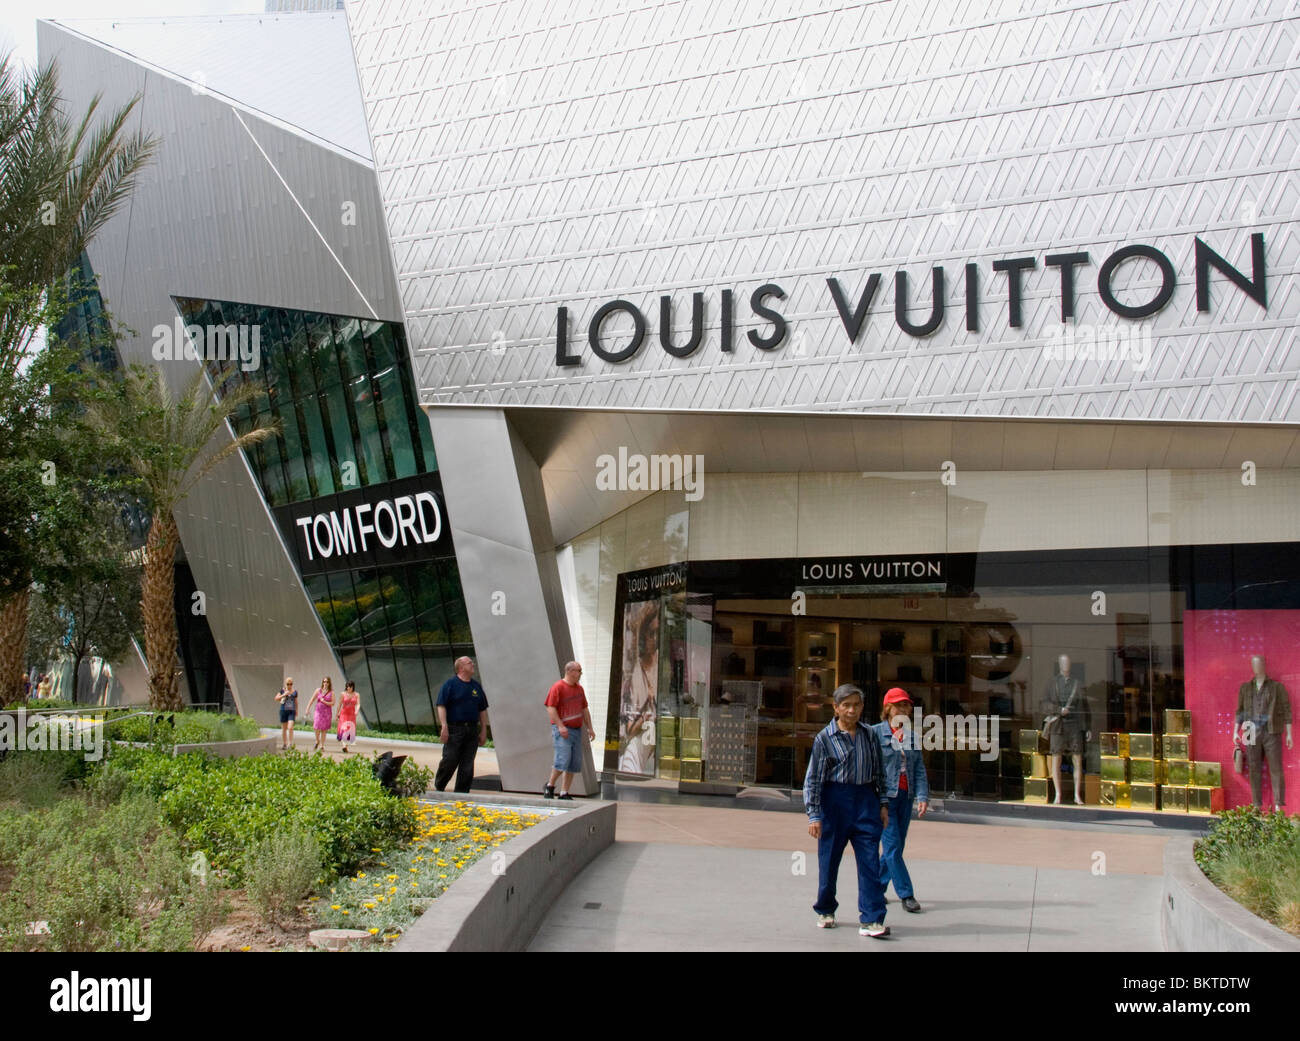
(1239,759)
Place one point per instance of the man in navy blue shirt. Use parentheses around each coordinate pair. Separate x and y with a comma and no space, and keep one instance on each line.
(463,719)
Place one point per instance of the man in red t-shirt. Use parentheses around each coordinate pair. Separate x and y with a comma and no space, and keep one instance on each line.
(566,704)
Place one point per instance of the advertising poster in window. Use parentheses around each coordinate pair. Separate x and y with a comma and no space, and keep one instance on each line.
(1244,666)
(638,700)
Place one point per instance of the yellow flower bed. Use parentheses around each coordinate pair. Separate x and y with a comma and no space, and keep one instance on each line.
(451,837)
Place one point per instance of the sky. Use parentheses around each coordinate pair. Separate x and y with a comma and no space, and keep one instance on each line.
(18,17)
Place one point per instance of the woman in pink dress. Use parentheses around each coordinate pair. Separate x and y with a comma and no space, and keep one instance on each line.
(348,715)
(323,699)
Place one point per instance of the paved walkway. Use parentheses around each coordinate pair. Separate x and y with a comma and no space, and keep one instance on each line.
(690,878)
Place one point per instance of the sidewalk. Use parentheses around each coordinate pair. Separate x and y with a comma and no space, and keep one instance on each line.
(691,878)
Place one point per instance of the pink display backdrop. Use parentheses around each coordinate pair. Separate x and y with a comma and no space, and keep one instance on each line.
(1217,646)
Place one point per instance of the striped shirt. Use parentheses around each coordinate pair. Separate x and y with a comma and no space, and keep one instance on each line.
(841,758)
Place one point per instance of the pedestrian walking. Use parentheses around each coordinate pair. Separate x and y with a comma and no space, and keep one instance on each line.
(566,705)
(348,715)
(907,786)
(843,792)
(323,699)
(288,699)
(463,722)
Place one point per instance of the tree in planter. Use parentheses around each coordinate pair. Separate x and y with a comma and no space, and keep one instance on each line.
(168,442)
(52,488)
(90,604)
(60,182)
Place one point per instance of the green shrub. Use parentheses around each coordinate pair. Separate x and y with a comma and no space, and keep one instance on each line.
(1243,828)
(38,778)
(104,880)
(1254,857)
(224,807)
(185,728)
(280,870)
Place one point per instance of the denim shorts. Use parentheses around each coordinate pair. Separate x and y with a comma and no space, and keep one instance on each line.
(568,751)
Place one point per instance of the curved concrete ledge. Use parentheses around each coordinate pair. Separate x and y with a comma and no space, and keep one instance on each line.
(499,903)
(1195,915)
(230,749)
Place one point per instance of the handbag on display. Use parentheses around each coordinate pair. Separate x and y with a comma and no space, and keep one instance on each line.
(1239,759)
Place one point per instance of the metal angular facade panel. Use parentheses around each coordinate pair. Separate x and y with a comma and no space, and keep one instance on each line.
(231,208)
(542,155)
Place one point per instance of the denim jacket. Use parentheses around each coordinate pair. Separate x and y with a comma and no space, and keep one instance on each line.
(917,782)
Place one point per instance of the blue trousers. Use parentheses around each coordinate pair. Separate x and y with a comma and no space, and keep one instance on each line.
(850,813)
(892,868)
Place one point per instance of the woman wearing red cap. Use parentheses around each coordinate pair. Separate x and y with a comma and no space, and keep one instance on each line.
(906,784)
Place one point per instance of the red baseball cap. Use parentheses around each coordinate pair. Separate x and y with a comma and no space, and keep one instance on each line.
(896,694)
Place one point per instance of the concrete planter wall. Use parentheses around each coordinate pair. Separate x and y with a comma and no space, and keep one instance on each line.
(1195,915)
(231,749)
(499,903)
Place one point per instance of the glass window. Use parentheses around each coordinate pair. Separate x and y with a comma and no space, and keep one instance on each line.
(453,601)
(318,589)
(320,339)
(387,689)
(370,606)
(347,617)
(296,345)
(295,462)
(383,348)
(322,471)
(274,360)
(351,347)
(401,613)
(400,441)
(417,421)
(268,467)
(426,600)
(417,697)
(334,409)
(372,449)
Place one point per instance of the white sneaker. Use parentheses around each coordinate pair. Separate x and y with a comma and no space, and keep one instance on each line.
(876,930)
(825,921)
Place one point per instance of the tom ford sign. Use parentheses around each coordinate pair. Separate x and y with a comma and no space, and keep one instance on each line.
(854,304)
(399,522)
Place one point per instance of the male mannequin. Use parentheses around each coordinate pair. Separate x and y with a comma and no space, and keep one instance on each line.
(1065,698)
(1263,716)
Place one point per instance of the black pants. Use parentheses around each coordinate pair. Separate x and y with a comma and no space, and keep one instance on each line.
(1267,746)
(458,757)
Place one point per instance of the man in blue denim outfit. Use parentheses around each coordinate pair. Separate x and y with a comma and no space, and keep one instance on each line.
(906,784)
(842,792)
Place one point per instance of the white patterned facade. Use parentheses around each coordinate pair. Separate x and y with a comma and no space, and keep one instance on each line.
(563,154)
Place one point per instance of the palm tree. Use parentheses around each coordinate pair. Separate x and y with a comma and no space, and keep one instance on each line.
(168,441)
(60,182)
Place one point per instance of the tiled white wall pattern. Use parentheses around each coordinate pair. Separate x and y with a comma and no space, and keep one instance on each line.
(536,153)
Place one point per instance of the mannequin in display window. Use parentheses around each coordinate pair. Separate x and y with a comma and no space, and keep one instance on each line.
(1065,702)
(1263,717)
(639,697)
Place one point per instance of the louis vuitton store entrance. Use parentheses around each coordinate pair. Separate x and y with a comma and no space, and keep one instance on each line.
(723,670)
